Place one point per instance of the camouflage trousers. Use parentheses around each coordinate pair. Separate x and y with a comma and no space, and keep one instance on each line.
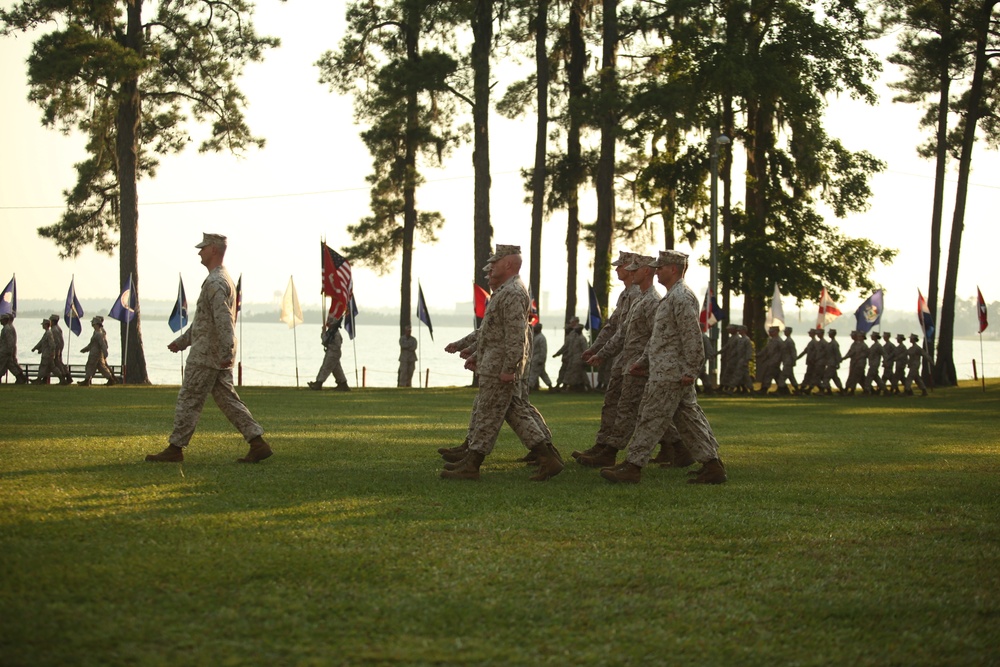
(58,367)
(498,402)
(45,368)
(9,363)
(664,402)
(97,364)
(609,411)
(404,378)
(199,382)
(874,377)
(633,389)
(331,365)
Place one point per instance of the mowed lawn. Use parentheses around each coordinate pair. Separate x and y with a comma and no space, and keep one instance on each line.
(853,531)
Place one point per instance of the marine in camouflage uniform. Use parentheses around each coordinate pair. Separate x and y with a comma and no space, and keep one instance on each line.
(729,376)
(97,354)
(47,349)
(671,359)
(573,372)
(333,342)
(899,359)
(769,359)
(8,350)
(539,355)
(857,356)
(58,343)
(209,368)
(888,359)
(499,359)
(831,363)
(745,356)
(407,358)
(915,356)
(789,356)
(813,353)
(874,360)
(614,327)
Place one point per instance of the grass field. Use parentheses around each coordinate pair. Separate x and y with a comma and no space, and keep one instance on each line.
(852,532)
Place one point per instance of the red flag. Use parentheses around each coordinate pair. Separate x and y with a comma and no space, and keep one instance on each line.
(336,281)
(981,308)
(533,314)
(479,299)
(923,310)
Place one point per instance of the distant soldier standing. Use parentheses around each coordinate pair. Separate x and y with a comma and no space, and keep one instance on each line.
(539,355)
(831,363)
(8,350)
(746,355)
(573,372)
(729,377)
(407,358)
(874,360)
(671,360)
(332,344)
(209,367)
(97,358)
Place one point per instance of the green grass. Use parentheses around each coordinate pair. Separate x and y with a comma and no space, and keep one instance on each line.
(852,532)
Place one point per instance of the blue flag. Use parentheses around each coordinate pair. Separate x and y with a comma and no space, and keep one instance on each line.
(8,299)
(179,315)
(73,310)
(593,311)
(124,309)
(422,313)
(869,313)
(349,317)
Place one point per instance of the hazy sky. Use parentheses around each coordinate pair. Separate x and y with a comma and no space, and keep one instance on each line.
(308,182)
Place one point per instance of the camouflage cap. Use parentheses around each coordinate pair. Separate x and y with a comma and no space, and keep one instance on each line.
(788,330)
(639,261)
(503,251)
(53,317)
(875,335)
(833,332)
(774,328)
(820,332)
(670,257)
(900,337)
(886,335)
(914,337)
(624,257)
(211,239)
(97,319)
(4,316)
(46,322)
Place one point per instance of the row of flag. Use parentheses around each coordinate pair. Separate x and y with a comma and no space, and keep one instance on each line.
(869,313)
(124,308)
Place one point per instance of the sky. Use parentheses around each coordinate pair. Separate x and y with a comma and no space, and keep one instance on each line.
(275,204)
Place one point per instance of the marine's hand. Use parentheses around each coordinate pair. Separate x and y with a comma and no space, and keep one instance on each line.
(173,347)
(507,378)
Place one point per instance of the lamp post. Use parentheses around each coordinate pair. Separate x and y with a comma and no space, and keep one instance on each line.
(719,140)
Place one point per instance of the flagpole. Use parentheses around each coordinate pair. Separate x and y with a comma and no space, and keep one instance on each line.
(982,362)
(128,324)
(69,348)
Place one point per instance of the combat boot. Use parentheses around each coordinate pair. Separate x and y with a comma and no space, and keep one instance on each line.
(84,383)
(455,465)
(550,463)
(665,456)
(469,468)
(682,457)
(457,448)
(531,458)
(342,386)
(624,472)
(713,472)
(259,450)
(604,458)
(596,447)
(455,454)
(171,454)
(315,386)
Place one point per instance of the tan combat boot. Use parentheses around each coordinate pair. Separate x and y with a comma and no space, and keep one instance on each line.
(666,455)
(713,472)
(624,472)
(605,458)
(259,450)
(171,454)
(550,463)
(682,457)
(596,447)
(469,468)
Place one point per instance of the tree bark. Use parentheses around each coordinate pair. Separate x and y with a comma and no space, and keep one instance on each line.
(577,64)
(127,149)
(483,229)
(605,181)
(412,33)
(541,143)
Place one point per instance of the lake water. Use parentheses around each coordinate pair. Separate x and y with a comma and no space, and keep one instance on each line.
(268,354)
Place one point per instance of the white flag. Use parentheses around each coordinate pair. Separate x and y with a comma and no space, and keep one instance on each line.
(777,315)
(291,311)
(828,310)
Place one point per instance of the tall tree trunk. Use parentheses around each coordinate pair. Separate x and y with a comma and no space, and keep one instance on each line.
(541,141)
(127,147)
(412,33)
(483,229)
(605,181)
(760,121)
(577,65)
(940,169)
(944,369)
